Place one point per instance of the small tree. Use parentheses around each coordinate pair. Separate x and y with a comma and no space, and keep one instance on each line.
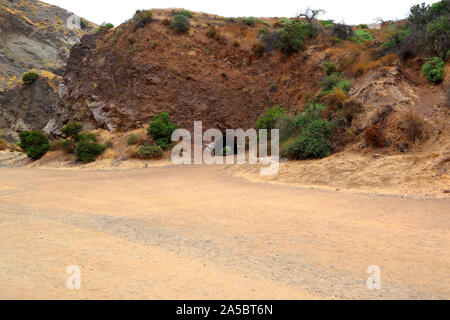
(88,150)
(434,69)
(142,18)
(29,77)
(161,130)
(72,130)
(268,119)
(181,23)
(34,144)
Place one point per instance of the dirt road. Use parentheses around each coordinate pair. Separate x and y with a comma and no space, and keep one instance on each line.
(196,233)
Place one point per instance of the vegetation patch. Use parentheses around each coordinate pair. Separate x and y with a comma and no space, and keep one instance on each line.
(142,18)
(161,129)
(433,69)
(29,77)
(105,26)
(87,150)
(149,152)
(181,23)
(34,143)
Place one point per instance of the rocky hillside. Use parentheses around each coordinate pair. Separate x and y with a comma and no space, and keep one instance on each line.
(34,36)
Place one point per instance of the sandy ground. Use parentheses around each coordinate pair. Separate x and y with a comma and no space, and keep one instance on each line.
(198,233)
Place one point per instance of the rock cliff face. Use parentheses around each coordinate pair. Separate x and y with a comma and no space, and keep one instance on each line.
(34,36)
(121,78)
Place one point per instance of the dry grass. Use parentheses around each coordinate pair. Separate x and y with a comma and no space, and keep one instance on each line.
(413,127)
(374,137)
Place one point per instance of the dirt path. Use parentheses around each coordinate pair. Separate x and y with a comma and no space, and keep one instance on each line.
(196,233)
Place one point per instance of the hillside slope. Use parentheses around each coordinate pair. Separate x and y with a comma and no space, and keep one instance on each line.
(34,36)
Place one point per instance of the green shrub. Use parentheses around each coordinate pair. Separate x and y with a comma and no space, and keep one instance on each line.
(142,18)
(363,26)
(269,119)
(286,123)
(313,142)
(180,23)
(285,21)
(294,35)
(88,150)
(72,130)
(34,144)
(183,12)
(313,111)
(329,68)
(396,40)
(29,77)
(88,137)
(132,139)
(251,21)
(161,130)
(327,23)
(344,84)
(149,152)
(105,26)
(330,81)
(362,36)
(434,69)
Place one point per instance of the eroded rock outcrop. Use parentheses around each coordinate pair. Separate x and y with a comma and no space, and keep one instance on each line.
(34,36)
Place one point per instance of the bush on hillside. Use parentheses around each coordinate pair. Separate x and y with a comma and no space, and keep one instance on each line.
(183,12)
(72,130)
(88,150)
(251,21)
(294,35)
(433,69)
(286,123)
(105,26)
(313,142)
(312,111)
(149,152)
(362,36)
(181,23)
(271,40)
(269,118)
(329,68)
(132,139)
(29,77)
(161,130)
(142,18)
(34,144)
(426,32)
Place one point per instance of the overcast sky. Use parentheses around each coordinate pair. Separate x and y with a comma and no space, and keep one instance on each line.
(349,11)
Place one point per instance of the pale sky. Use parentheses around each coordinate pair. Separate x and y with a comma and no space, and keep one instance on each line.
(349,11)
